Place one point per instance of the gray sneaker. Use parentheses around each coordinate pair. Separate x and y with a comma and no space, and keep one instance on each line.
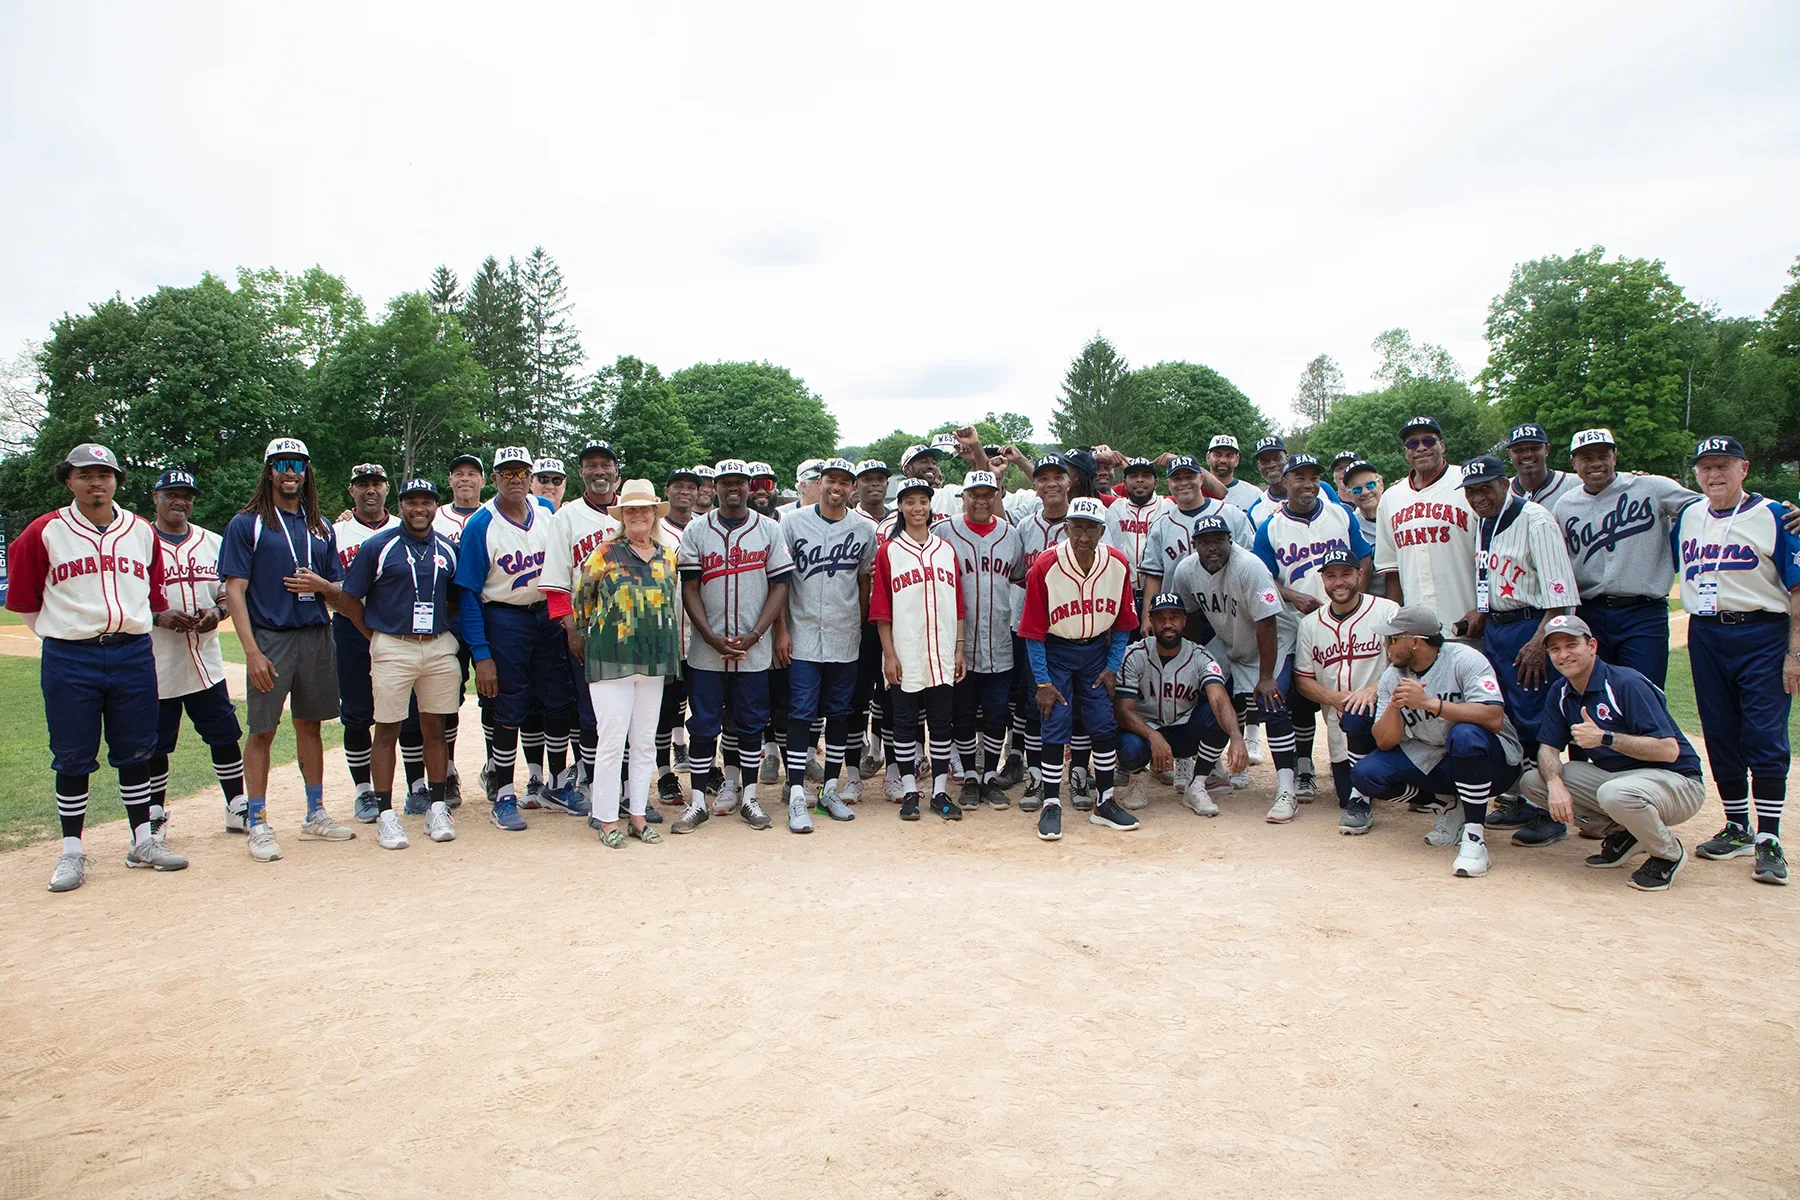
(753,814)
(263,846)
(70,872)
(833,806)
(726,802)
(1081,789)
(815,768)
(366,810)
(1449,827)
(1357,818)
(322,826)
(799,814)
(156,856)
(692,817)
(771,769)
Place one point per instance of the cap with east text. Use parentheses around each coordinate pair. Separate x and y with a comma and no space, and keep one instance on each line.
(1086,508)
(1211,524)
(1296,461)
(1415,620)
(1591,437)
(1719,447)
(1273,442)
(1567,623)
(1344,456)
(1528,433)
(418,487)
(1165,602)
(1483,468)
(171,479)
(1426,423)
(1050,462)
(1139,464)
(1337,557)
(689,474)
(600,446)
(1182,462)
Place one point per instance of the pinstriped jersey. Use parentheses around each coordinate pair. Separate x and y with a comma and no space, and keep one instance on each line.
(1128,526)
(1038,533)
(1749,553)
(1234,600)
(918,592)
(1525,560)
(1291,545)
(991,565)
(1063,601)
(735,566)
(1343,653)
(1171,535)
(1168,689)
(577,529)
(188,662)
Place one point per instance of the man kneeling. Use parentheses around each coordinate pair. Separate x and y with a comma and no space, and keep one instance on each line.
(1168,676)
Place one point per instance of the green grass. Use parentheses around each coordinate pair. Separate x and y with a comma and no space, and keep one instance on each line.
(1686,711)
(28,802)
(9,618)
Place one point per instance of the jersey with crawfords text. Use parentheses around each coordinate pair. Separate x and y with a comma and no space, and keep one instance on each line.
(189,662)
(1459,675)
(577,529)
(1128,526)
(918,592)
(1168,689)
(825,593)
(1343,652)
(1427,534)
(735,564)
(1291,545)
(1618,537)
(1171,535)
(991,564)
(83,581)
(501,559)
(1241,594)
(1522,556)
(1746,554)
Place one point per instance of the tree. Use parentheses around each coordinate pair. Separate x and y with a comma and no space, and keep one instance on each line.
(1100,403)
(644,421)
(21,399)
(1184,405)
(1403,361)
(493,320)
(552,353)
(445,292)
(308,314)
(755,411)
(1369,423)
(1321,386)
(1010,428)
(1578,342)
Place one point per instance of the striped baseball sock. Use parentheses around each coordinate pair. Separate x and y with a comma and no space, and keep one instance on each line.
(1212,745)
(412,756)
(505,756)
(1051,764)
(556,747)
(357,743)
(940,763)
(750,752)
(71,809)
(159,791)
(700,766)
(134,793)
(1474,784)
(1771,795)
(799,745)
(1106,765)
(228,767)
(993,748)
(531,747)
(663,742)
(837,736)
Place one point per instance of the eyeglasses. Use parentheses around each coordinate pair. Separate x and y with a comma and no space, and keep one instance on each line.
(549,479)
(510,472)
(1362,488)
(288,466)
(1421,443)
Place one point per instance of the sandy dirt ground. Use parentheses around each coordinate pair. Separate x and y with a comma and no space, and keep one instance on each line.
(885,1009)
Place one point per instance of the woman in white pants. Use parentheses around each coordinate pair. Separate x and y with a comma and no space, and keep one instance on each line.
(627,617)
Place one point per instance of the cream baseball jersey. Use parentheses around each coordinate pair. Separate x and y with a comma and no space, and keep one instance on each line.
(918,591)
(83,581)
(1171,536)
(991,566)
(1241,494)
(1168,689)
(1234,600)
(1426,533)
(1064,601)
(503,559)
(351,533)
(1291,545)
(1744,560)
(451,519)
(735,564)
(1128,525)
(577,529)
(1521,561)
(1342,651)
(189,662)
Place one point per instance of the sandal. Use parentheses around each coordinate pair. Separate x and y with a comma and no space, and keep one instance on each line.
(612,839)
(647,835)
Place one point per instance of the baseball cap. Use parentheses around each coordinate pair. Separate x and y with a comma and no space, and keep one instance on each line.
(1086,508)
(1338,557)
(1296,461)
(688,473)
(1344,456)
(175,479)
(913,485)
(1211,524)
(809,470)
(944,443)
(1415,620)
(872,466)
(731,466)
(548,466)
(761,470)
(1222,441)
(836,464)
(600,446)
(1272,442)
(1165,601)
(418,487)
(1528,432)
(975,479)
(1081,460)
(1361,464)
(1182,462)
(367,471)
(505,456)
(1048,462)
(473,461)
(705,472)
(913,452)
(286,447)
(1567,623)
(1139,464)
(1483,468)
(1719,447)
(1591,437)
(88,454)
(1429,423)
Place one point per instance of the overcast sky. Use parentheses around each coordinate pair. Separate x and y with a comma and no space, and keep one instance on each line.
(922,209)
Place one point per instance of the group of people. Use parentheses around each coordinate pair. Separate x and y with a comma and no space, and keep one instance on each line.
(1491,647)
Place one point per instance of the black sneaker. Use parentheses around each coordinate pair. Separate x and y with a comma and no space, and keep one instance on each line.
(1657,873)
(1424,803)
(1541,832)
(995,797)
(668,789)
(1081,789)
(1112,814)
(970,797)
(1615,851)
(1771,863)
(945,807)
(651,816)
(1011,772)
(1050,823)
(1729,842)
(909,807)
(1513,813)
(1033,799)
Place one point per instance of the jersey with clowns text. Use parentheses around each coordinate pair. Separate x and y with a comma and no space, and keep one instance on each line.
(831,558)
(736,565)
(1427,535)
(1748,554)
(918,591)
(83,581)
(992,567)
(1344,653)
(502,560)
(1291,545)
(1064,601)
(189,662)
(1459,675)
(1167,690)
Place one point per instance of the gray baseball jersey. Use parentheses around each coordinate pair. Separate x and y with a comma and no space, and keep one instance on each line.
(992,568)
(1234,600)
(1459,675)
(735,567)
(1523,559)
(1618,540)
(1241,494)
(824,598)
(1168,689)
(1171,535)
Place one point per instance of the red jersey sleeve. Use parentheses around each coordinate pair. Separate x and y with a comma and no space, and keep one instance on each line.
(559,602)
(1127,619)
(27,568)
(1034,619)
(881,589)
(159,599)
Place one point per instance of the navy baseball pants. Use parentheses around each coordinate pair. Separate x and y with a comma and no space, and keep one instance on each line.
(1474,767)
(1635,636)
(1075,668)
(1501,641)
(1185,739)
(90,689)
(1743,706)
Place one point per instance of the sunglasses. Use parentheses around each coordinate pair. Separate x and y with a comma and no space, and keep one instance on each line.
(1362,488)
(1421,443)
(762,485)
(549,479)
(510,472)
(288,466)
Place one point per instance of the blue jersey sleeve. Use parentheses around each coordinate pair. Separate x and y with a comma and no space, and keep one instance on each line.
(1675,538)
(1359,545)
(1040,663)
(1264,550)
(1553,726)
(1115,658)
(1336,499)
(1787,547)
(471,579)
(236,547)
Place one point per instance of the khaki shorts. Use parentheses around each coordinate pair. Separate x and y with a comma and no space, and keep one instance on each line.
(401,667)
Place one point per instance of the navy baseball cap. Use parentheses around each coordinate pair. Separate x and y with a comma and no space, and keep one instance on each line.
(1049,461)
(1336,558)
(1139,464)
(1344,456)
(1272,442)
(418,487)
(1296,461)
(600,446)
(1483,469)
(1427,423)
(687,473)
(473,461)
(1719,447)
(1164,602)
(175,479)
(911,484)
(1181,462)
(1361,464)
(1212,524)
(1528,432)
(1081,460)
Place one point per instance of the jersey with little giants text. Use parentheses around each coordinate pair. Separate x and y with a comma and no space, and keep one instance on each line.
(736,565)
(1168,689)
(918,591)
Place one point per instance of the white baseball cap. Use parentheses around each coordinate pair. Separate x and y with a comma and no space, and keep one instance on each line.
(1591,437)
(975,479)
(944,443)
(731,466)
(548,466)
(285,447)
(1085,508)
(507,455)
(1222,441)
(837,464)
(809,470)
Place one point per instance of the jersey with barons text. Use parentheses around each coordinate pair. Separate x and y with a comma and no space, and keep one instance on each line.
(735,566)
(1168,689)
(991,563)
(1427,535)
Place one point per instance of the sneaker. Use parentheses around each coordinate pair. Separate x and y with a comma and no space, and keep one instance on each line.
(1033,799)
(388,834)
(1109,814)
(668,789)
(1771,863)
(1304,787)
(533,799)
(1240,781)
(678,759)
(852,791)
(770,770)
(1221,784)
(1541,832)
(945,807)
(728,799)
(263,846)
(799,818)
(1513,813)
(969,798)
(1050,823)
(1657,873)
(1286,806)
(237,815)
(870,763)
(832,805)
(70,872)
(1011,771)
(753,814)
(438,826)
(154,855)
(892,785)
(1471,854)
(321,825)
(1184,774)
(1448,830)
(1358,818)
(1135,797)
(909,807)
(453,791)
(692,817)
(1729,842)
(505,815)
(815,767)
(1253,743)
(1081,788)
(1198,799)
(994,795)
(651,816)
(365,809)
(418,802)
(1615,851)
(567,799)
(490,782)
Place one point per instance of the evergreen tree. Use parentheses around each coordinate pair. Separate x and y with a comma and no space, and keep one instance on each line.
(493,321)
(553,356)
(445,293)
(1321,386)
(1100,404)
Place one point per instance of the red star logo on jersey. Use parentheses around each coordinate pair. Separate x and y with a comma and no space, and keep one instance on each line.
(1506,589)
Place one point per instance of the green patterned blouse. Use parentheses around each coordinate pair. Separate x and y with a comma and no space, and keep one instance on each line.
(629,610)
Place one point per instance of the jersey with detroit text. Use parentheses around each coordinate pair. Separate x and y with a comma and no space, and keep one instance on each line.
(1747,552)
(1291,545)
(1618,537)
(918,592)
(189,662)
(1459,675)
(1167,690)
(1426,534)
(83,581)
(1234,600)
(735,566)
(991,564)
(1525,560)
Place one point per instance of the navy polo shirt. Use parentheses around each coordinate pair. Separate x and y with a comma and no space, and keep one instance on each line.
(395,570)
(263,557)
(1620,701)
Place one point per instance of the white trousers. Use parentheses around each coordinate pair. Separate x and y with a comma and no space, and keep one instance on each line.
(625,711)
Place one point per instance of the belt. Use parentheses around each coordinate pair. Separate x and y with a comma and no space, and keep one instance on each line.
(1622,601)
(1063,641)
(1757,617)
(1514,615)
(540,606)
(415,637)
(106,639)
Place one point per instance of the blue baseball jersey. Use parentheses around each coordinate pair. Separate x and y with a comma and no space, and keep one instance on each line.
(499,561)
(1619,700)
(1291,545)
(1747,552)
(264,557)
(393,571)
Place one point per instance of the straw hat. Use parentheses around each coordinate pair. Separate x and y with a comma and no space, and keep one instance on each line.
(638,493)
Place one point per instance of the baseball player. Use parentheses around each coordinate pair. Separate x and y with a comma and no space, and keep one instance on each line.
(1128,522)
(1740,584)
(279,559)
(467,477)
(763,490)
(398,594)
(828,594)
(1340,463)
(87,580)
(925,462)
(1440,726)
(1162,721)
(1362,484)
(1640,775)
(917,605)
(521,656)
(1529,448)
(1077,619)
(1171,534)
(190,667)
(1222,456)
(870,706)
(1425,533)
(806,486)
(705,495)
(356,698)
(682,488)
(734,568)
(1338,661)
(990,568)
(1522,579)
(1040,530)
(549,480)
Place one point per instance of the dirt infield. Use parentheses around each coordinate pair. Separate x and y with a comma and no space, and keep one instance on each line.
(881,1009)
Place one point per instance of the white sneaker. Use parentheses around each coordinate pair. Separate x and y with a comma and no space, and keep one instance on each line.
(438,826)
(388,834)
(851,792)
(1471,854)
(1284,809)
(263,846)
(728,799)
(1241,780)
(1184,773)
(1198,798)
(236,819)
(322,826)
(1448,829)
(892,786)
(1253,742)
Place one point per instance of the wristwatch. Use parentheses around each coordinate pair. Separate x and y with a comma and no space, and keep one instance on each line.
(1606,738)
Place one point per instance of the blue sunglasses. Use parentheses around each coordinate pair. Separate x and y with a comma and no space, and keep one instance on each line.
(290,466)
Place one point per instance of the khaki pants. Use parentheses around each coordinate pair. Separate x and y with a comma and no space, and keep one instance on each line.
(400,668)
(1646,801)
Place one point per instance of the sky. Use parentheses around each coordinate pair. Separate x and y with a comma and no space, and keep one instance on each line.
(923,210)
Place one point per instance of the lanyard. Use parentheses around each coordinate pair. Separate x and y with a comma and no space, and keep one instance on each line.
(412,566)
(306,538)
(1723,538)
(1515,505)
